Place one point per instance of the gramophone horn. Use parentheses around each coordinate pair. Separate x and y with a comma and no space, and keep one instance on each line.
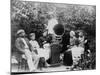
(59,29)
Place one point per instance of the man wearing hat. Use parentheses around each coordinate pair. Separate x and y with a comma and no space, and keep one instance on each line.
(22,44)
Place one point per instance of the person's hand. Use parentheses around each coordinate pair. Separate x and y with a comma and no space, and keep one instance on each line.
(68,46)
(85,41)
(68,50)
(44,42)
(61,56)
(23,56)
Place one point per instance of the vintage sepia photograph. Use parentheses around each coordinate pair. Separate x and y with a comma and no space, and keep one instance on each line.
(52,37)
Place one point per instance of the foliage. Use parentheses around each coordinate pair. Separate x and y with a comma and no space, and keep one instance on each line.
(32,17)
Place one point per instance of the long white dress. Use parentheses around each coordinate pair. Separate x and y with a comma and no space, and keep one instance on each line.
(76,53)
(35,46)
(44,52)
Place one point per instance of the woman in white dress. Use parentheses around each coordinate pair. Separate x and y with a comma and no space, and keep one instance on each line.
(34,48)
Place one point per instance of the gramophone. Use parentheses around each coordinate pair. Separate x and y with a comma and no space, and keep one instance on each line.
(58,33)
(56,30)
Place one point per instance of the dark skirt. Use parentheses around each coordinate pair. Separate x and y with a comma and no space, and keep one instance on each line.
(67,60)
(55,54)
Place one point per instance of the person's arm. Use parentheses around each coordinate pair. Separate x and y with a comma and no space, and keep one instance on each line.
(30,46)
(40,41)
(33,48)
(37,45)
(82,50)
(18,45)
(68,50)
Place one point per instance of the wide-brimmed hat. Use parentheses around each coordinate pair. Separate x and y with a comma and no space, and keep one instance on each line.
(20,31)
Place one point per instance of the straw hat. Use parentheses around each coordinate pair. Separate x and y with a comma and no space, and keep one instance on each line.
(20,31)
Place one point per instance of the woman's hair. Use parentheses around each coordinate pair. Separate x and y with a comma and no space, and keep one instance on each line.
(77,42)
(31,34)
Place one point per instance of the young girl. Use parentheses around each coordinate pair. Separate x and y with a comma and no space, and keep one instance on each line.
(34,48)
(76,51)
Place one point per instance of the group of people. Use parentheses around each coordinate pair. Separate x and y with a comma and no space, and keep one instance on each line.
(77,43)
(33,52)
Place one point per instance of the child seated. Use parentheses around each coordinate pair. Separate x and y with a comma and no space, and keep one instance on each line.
(34,46)
(33,42)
